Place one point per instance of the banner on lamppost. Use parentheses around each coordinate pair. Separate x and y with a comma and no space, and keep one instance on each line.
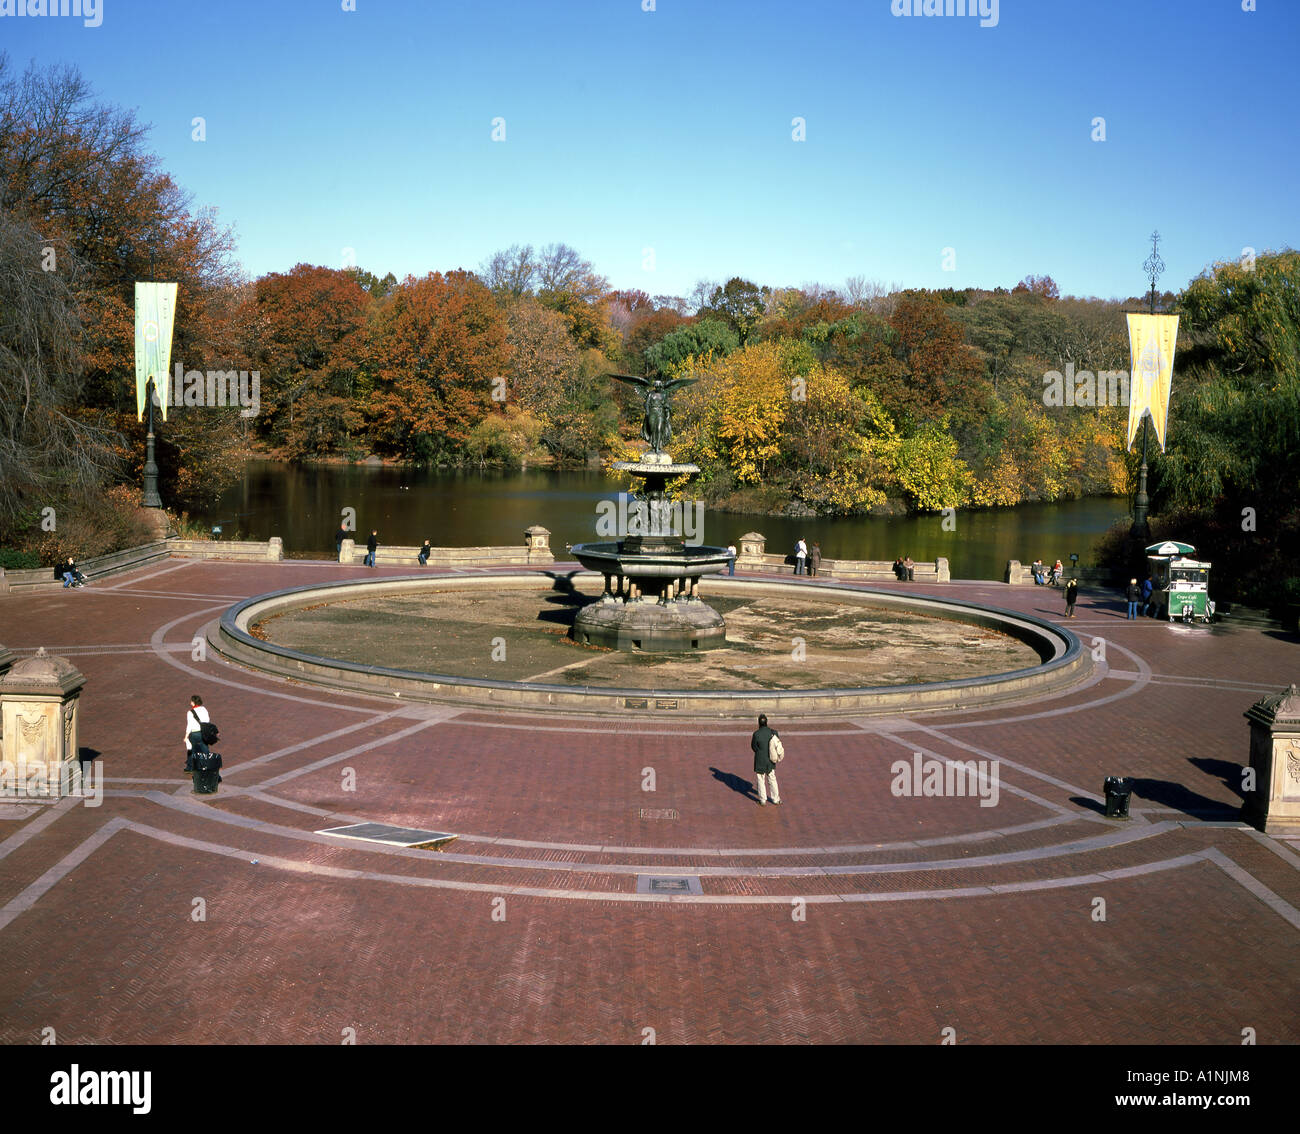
(155,310)
(1151,340)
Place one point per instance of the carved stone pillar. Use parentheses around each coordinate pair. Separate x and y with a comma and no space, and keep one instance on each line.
(39,705)
(538,541)
(1273,804)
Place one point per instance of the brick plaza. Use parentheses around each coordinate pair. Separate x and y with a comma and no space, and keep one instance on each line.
(848,914)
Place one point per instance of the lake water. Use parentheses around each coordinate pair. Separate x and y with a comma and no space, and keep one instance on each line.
(303,505)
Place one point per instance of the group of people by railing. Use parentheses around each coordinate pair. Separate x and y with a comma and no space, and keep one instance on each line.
(1045,576)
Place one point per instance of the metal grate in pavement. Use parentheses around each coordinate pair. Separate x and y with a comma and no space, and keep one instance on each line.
(658,813)
(668,884)
(392,836)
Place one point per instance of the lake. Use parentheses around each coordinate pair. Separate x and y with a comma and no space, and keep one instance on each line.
(302,504)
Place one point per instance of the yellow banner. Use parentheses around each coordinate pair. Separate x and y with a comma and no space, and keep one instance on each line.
(1151,340)
(155,311)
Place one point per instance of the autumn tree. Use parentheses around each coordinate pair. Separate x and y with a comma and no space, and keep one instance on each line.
(303,330)
(738,303)
(77,171)
(47,451)
(435,345)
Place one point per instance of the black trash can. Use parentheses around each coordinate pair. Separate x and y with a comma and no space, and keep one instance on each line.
(207,772)
(1117,792)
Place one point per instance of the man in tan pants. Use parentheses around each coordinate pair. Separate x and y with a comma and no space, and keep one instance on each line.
(764,769)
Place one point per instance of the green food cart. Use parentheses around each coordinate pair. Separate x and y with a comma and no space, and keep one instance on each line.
(1181,584)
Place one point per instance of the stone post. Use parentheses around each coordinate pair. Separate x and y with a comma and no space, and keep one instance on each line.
(348,552)
(38,703)
(1273,804)
(942,574)
(753,546)
(538,541)
(275,549)
(1013,573)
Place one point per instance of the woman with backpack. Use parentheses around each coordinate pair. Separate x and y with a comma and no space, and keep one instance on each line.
(200,760)
(195,718)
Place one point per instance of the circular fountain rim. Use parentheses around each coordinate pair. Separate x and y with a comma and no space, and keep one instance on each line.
(1069,664)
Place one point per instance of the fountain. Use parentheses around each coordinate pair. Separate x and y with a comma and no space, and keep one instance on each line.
(651,601)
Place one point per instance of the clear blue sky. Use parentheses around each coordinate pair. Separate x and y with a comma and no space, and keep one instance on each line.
(671,130)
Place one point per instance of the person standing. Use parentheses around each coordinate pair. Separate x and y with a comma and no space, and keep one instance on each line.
(372,545)
(764,769)
(815,558)
(731,559)
(1071,595)
(425,551)
(800,556)
(195,718)
(1148,588)
(1132,595)
(339,537)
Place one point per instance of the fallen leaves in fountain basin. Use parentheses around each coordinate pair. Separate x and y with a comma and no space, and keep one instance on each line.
(519,633)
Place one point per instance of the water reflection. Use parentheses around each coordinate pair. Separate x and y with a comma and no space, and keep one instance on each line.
(303,505)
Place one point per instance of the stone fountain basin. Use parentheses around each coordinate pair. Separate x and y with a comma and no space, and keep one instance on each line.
(683,563)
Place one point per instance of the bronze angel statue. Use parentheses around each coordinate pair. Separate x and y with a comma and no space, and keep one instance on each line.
(658,427)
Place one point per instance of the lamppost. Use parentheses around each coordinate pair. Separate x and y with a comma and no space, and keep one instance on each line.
(151,497)
(1154,268)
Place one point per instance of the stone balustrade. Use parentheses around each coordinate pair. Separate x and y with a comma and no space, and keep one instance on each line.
(753,556)
(1020,574)
(535,549)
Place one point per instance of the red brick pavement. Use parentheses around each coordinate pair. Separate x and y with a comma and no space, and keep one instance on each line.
(97,917)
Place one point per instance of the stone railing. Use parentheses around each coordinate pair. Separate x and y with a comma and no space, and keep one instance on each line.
(753,556)
(96,567)
(102,566)
(246,550)
(535,549)
(1018,574)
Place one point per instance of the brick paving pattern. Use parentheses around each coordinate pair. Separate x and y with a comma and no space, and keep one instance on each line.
(848,914)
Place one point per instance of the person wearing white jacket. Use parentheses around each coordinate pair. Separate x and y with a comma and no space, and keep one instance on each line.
(195,719)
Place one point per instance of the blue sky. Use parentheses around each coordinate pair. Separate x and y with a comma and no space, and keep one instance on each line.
(629,130)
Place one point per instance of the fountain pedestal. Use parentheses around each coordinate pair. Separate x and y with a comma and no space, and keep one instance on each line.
(651,600)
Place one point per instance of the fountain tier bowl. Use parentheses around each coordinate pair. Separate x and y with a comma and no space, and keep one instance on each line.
(654,604)
(650,557)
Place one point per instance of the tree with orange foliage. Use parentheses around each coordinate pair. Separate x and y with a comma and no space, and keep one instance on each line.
(303,331)
(435,345)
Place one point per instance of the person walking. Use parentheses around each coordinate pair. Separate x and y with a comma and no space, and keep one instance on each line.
(195,718)
(764,769)
(1148,588)
(339,537)
(731,559)
(1132,594)
(800,556)
(425,551)
(372,545)
(1071,595)
(815,559)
